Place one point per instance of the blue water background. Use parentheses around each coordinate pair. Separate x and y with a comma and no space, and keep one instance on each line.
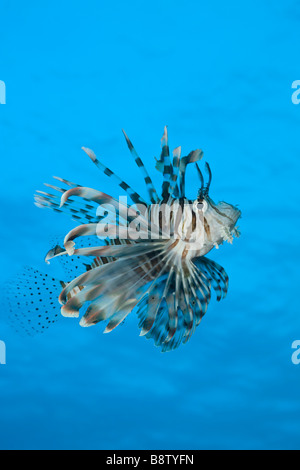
(219,74)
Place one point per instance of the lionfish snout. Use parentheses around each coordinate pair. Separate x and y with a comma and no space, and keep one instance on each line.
(232,213)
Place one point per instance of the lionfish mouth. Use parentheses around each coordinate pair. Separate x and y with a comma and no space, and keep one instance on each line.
(204,189)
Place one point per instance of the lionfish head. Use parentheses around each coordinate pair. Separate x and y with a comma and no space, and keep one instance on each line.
(221,214)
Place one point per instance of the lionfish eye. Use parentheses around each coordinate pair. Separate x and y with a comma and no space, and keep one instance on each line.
(201,205)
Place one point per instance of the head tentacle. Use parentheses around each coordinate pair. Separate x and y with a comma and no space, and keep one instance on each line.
(209,178)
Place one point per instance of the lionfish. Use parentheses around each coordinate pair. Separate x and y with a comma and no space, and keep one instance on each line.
(166,278)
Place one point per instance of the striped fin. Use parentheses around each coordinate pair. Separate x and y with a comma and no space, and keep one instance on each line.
(188,313)
(102,289)
(97,230)
(130,253)
(100,261)
(107,251)
(176,162)
(173,317)
(100,198)
(154,300)
(102,284)
(184,297)
(149,184)
(78,210)
(117,319)
(73,265)
(155,297)
(167,166)
(125,214)
(68,183)
(134,196)
(168,322)
(217,274)
(200,288)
